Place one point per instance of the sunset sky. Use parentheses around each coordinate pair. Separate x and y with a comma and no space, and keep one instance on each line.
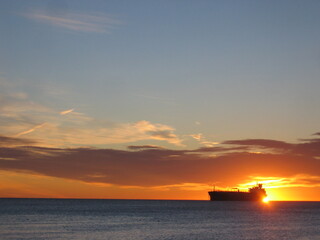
(159,99)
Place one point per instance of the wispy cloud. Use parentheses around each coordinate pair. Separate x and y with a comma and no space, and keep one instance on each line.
(78,132)
(137,131)
(298,180)
(197,136)
(202,140)
(307,147)
(144,147)
(66,111)
(30,130)
(94,22)
(14,142)
(20,116)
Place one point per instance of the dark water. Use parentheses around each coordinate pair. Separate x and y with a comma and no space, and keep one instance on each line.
(140,219)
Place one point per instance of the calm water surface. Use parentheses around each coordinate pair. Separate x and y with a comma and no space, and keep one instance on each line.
(143,219)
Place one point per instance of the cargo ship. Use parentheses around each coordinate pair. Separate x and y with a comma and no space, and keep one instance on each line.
(256,193)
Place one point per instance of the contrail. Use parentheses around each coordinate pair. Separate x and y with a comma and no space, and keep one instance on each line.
(66,111)
(30,130)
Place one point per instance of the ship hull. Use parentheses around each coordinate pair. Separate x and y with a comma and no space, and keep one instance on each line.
(235,196)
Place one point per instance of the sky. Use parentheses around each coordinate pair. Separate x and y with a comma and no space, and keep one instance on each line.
(159,99)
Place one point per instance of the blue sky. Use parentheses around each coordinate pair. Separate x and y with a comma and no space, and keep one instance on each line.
(223,69)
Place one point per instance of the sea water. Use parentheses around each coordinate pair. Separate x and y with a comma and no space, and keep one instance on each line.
(153,219)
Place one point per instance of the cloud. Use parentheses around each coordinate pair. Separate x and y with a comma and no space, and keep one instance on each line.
(265,143)
(166,135)
(308,147)
(94,22)
(20,116)
(66,111)
(30,130)
(80,130)
(143,147)
(13,142)
(13,105)
(219,149)
(196,136)
(298,180)
(152,167)
(141,130)
(53,149)
(93,133)
(202,140)
(68,132)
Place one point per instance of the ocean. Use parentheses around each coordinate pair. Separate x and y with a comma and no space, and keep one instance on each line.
(157,219)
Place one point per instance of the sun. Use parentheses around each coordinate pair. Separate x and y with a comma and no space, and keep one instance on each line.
(265,200)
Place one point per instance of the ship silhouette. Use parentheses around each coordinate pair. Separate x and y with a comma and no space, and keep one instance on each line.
(256,193)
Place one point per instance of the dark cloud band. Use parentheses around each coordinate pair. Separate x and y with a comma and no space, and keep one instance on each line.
(152,166)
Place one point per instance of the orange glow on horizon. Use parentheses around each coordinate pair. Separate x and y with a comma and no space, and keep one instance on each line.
(293,188)
(25,185)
